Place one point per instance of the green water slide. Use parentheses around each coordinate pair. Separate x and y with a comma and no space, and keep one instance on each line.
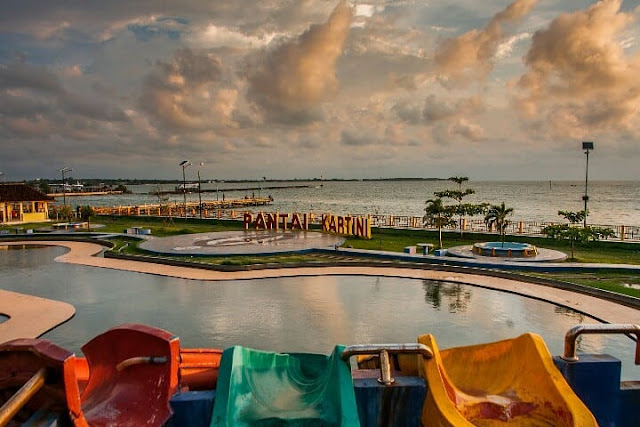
(258,388)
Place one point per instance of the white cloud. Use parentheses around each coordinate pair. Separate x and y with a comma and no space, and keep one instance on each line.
(506,48)
(366,10)
(214,36)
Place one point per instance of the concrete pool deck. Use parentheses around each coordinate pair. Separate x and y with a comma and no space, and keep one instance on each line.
(28,317)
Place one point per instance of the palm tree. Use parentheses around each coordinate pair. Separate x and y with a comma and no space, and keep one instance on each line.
(497,215)
(439,215)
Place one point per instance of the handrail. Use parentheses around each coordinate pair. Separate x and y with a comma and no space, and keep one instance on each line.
(141,360)
(22,396)
(610,328)
(383,350)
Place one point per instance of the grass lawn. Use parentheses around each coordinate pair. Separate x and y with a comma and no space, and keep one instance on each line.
(161,228)
(394,240)
(609,281)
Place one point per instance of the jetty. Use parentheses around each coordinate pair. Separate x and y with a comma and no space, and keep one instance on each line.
(222,190)
(210,208)
(85,193)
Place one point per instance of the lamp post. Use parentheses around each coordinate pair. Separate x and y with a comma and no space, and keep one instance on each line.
(586,146)
(64,192)
(199,193)
(185,164)
(262,183)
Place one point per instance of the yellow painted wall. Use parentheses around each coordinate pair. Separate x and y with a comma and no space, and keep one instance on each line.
(34,217)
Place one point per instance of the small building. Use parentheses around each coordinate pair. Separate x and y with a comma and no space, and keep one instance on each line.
(22,203)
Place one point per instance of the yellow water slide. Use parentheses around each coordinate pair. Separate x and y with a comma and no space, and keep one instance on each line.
(506,383)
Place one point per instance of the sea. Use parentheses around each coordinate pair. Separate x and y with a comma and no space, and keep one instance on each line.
(610,202)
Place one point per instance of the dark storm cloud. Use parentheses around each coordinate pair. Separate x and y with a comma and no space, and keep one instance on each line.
(357,138)
(30,90)
(20,75)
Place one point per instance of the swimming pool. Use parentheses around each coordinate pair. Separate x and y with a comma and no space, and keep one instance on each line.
(308,314)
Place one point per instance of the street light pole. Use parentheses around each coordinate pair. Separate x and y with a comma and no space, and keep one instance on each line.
(64,192)
(586,146)
(199,193)
(184,164)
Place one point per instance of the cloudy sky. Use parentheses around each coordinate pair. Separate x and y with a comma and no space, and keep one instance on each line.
(496,89)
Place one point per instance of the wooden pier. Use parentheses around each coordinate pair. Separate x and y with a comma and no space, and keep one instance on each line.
(85,193)
(210,208)
(228,190)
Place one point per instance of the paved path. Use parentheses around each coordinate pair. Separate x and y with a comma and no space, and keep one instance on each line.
(29,316)
(251,242)
(83,253)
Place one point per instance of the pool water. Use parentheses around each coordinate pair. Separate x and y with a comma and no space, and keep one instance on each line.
(302,314)
(506,249)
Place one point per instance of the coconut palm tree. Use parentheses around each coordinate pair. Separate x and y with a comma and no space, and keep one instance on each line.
(438,215)
(497,215)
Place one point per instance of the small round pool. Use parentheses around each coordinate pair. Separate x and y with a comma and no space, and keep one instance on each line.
(506,249)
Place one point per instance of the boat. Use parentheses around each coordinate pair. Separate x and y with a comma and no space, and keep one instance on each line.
(189,186)
(138,375)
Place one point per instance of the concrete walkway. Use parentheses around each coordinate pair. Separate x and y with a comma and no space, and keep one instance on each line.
(29,316)
(611,312)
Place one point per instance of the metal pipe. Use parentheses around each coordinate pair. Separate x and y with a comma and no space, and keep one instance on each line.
(141,360)
(22,396)
(612,328)
(385,369)
(383,351)
(417,348)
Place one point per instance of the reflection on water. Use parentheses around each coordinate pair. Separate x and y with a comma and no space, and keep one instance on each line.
(456,295)
(291,314)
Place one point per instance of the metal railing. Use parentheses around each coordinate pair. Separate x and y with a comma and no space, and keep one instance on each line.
(613,328)
(383,351)
(230,211)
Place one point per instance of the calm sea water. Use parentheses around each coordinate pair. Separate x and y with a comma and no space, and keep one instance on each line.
(308,314)
(611,203)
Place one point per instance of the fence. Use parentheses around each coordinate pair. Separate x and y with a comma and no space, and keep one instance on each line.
(220,211)
(532,228)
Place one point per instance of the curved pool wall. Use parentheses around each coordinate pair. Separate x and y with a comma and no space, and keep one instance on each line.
(506,249)
(296,314)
